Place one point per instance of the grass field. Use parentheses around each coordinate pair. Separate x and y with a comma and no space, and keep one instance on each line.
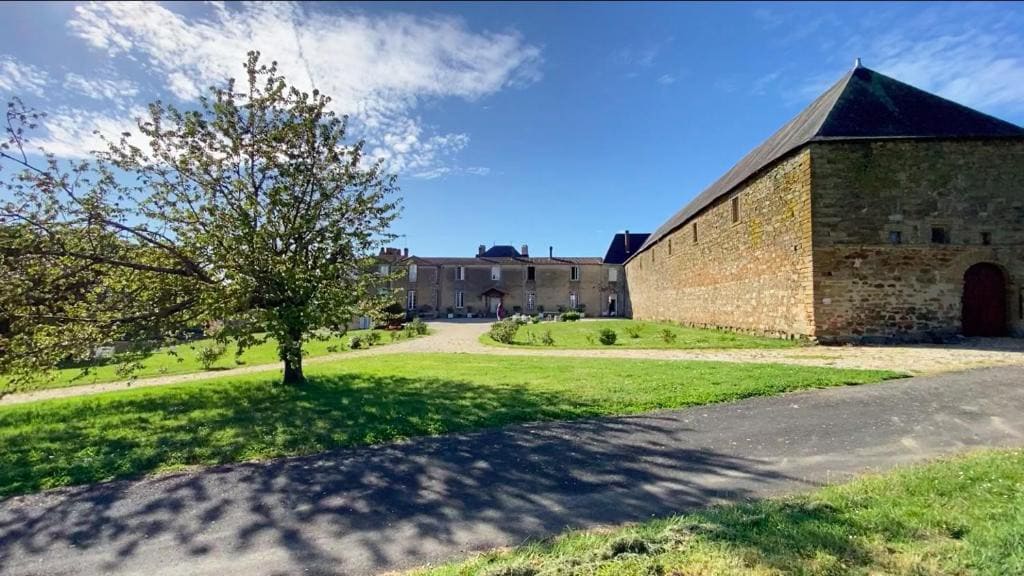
(183,359)
(354,402)
(961,516)
(648,335)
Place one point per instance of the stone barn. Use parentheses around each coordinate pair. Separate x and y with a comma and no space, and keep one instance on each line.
(879,213)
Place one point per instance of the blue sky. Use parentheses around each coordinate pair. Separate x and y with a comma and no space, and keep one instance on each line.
(546,124)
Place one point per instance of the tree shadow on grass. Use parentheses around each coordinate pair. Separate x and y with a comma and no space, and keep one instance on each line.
(357,510)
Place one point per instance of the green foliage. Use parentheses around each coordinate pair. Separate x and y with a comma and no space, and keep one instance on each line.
(504,331)
(353,402)
(607,336)
(956,516)
(418,326)
(210,353)
(373,338)
(536,319)
(251,209)
(570,316)
(357,342)
(547,339)
(390,315)
(634,330)
(668,336)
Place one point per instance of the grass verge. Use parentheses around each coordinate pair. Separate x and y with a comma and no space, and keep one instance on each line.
(959,516)
(183,359)
(636,335)
(355,402)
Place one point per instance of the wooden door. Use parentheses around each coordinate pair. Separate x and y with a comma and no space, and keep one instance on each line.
(984,303)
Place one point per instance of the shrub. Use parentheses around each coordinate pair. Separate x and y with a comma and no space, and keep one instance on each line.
(409,331)
(332,348)
(589,338)
(536,319)
(418,326)
(634,331)
(356,342)
(570,316)
(668,336)
(373,338)
(547,339)
(607,336)
(504,331)
(209,354)
(395,335)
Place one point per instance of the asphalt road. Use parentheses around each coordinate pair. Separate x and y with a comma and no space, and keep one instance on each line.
(372,510)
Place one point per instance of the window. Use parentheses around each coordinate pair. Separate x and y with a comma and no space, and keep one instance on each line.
(574,273)
(895,237)
(694,232)
(735,209)
(531,300)
(410,302)
(613,274)
(940,236)
(572,301)
(531,273)
(460,299)
(460,272)
(986,238)
(385,269)
(669,246)
(412,272)
(495,272)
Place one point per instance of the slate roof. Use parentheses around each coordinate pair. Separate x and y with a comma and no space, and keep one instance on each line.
(501,251)
(478,260)
(863,104)
(617,253)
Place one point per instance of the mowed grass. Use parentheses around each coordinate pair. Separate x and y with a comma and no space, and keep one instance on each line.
(583,334)
(961,516)
(356,402)
(183,359)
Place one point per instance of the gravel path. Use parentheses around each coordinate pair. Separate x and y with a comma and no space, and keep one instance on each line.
(462,337)
(370,510)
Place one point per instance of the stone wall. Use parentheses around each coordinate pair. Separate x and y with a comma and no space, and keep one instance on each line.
(753,274)
(866,194)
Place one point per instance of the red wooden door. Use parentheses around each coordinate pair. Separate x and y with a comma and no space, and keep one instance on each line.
(984,305)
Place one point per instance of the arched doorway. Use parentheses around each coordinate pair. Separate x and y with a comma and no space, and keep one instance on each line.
(984,303)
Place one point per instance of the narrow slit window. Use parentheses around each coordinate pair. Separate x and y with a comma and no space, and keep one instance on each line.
(694,232)
(986,238)
(895,237)
(735,209)
(940,235)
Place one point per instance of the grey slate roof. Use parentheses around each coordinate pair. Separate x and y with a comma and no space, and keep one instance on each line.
(478,260)
(617,252)
(501,251)
(863,104)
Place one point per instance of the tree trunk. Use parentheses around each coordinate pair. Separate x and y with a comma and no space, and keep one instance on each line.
(293,371)
(290,349)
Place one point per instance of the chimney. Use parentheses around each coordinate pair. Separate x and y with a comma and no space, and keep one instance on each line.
(625,240)
(551,251)
(525,251)
(480,250)
(405,252)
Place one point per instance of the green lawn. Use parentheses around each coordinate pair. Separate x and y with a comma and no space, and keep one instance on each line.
(182,359)
(649,335)
(356,402)
(961,516)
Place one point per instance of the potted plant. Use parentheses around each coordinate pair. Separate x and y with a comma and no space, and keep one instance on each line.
(469,311)
(451,312)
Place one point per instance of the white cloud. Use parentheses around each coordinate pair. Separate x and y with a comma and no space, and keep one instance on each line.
(667,79)
(478,170)
(970,53)
(377,69)
(74,133)
(18,78)
(112,89)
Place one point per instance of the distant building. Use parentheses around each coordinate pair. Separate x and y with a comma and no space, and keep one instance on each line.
(503,275)
(881,212)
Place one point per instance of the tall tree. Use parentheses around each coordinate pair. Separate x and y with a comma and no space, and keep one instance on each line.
(250,209)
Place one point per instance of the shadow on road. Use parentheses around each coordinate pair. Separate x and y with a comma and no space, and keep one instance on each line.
(362,510)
